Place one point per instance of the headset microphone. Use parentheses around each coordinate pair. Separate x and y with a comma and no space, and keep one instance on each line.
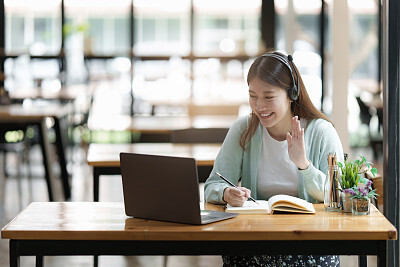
(303,107)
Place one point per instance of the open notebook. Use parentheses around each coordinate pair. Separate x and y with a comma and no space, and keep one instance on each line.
(282,203)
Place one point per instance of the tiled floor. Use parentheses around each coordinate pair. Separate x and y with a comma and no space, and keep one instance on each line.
(111,190)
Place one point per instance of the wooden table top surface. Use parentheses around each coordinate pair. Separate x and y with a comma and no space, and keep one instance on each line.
(164,124)
(16,112)
(160,124)
(107,155)
(65,93)
(107,221)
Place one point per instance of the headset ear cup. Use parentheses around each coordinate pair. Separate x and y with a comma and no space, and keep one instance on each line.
(294,93)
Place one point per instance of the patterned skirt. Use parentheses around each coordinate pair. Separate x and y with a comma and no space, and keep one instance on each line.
(282,260)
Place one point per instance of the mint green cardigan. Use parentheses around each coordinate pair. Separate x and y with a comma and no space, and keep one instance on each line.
(320,139)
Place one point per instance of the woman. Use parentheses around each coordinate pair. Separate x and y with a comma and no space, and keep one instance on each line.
(282,147)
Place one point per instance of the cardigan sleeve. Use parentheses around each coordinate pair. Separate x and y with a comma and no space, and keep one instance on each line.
(228,163)
(321,140)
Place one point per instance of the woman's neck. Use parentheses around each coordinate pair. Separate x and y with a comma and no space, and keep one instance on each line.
(279,131)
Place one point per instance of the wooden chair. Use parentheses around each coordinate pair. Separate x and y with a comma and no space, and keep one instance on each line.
(365,115)
(227,109)
(199,135)
(21,149)
(375,139)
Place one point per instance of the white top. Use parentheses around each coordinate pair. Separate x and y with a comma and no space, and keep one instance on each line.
(277,174)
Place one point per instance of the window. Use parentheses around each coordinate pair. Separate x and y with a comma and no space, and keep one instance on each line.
(33,27)
(206,69)
(366,118)
(162,28)
(103,25)
(298,33)
(226,28)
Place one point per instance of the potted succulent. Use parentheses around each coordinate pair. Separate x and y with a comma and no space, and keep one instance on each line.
(361,196)
(351,173)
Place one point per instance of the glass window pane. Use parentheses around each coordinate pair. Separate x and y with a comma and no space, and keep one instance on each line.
(298,32)
(149,30)
(104,25)
(162,27)
(226,28)
(95,34)
(365,118)
(122,36)
(33,26)
(174,27)
(15,40)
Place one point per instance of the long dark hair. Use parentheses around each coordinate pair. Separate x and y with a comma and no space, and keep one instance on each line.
(276,73)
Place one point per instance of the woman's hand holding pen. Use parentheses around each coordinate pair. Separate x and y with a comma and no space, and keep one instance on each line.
(296,147)
(236,196)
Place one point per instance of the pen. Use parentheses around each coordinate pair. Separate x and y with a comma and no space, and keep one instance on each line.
(230,183)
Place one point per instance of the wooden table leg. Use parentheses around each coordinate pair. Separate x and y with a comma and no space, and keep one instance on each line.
(44,144)
(96,182)
(39,261)
(63,162)
(95,261)
(97,171)
(14,255)
(362,260)
(382,250)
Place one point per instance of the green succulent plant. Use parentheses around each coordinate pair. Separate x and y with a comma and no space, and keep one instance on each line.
(351,170)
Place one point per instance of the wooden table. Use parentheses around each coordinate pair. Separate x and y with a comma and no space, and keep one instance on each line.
(164,124)
(158,127)
(209,107)
(20,116)
(105,157)
(101,228)
(65,94)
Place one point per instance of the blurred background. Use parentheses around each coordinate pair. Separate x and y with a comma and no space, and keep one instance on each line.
(157,57)
(120,64)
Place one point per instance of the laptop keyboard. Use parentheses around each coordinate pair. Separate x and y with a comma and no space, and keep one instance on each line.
(208,217)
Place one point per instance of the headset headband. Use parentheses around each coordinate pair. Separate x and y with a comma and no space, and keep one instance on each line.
(293,91)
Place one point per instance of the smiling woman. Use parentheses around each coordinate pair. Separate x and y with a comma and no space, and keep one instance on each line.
(280,148)
(266,75)
(271,106)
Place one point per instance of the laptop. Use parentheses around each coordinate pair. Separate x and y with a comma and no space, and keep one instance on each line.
(164,188)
